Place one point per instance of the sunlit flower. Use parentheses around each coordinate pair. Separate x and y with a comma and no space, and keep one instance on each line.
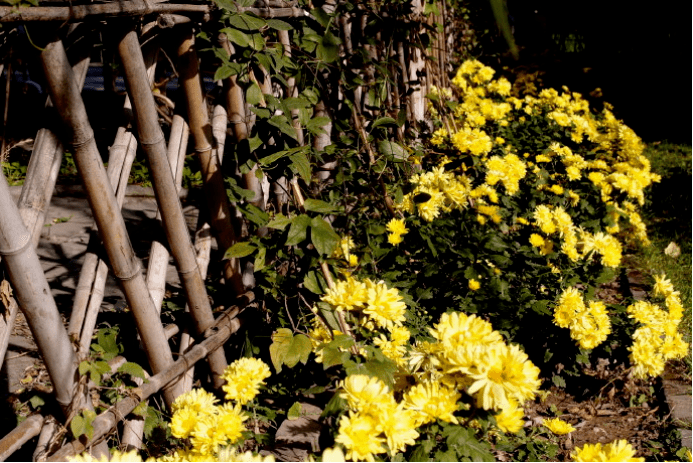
(558,426)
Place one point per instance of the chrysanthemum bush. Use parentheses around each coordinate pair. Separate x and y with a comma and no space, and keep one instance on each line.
(435,326)
(424,334)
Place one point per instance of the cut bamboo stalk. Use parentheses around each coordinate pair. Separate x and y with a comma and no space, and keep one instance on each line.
(158,254)
(262,189)
(152,141)
(236,109)
(10,306)
(417,65)
(201,130)
(126,267)
(36,301)
(216,336)
(8,85)
(46,157)
(90,289)
(47,439)
(28,429)
(76,13)
(118,176)
(203,238)
(219,122)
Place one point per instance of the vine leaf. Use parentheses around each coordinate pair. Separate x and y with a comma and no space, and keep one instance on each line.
(323,236)
(239,250)
(246,22)
(298,229)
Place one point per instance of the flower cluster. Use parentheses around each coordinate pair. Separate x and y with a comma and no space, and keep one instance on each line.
(396,229)
(657,340)
(619,450)
(469,355)
(589,324)
(213,428)
(343,251)
(435,192)
(373,301)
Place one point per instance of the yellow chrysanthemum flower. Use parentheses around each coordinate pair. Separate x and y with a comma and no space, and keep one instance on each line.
(558,426)
(619,450)
(244,378)
(432,401)
(360,436)
(384,305)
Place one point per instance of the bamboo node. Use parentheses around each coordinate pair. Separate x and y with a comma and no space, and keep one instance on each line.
(22,243)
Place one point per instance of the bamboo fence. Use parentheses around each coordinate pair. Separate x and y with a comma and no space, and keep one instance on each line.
(110,249)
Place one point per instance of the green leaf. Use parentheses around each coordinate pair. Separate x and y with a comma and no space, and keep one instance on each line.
(257,42)
(495,243)
(132,369)
(223,72)
(316,205)
(36,401)
(259,262)
(343,341)
(421,452)
(226,5)
(328,48)
(468,445)
(279,222)
(253,95)
(239,38)
(392,150)
(321,16)
(401,117)
(332,357)
(294,412)
(298,229)
(279,25)
(81,425)
(299,350)
(255,214)
(141,409)
(323,236)
(384,121)
(268,160)
(316,125)
(246,22)
(301,165)
(281,340)
(282,123)
(239,250)
(313,283)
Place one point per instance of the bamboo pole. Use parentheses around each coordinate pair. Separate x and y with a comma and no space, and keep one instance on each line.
(76,13)
(152,141)
(49,437)
(41,175)
(118,174)
(46,157)
(10,306)
(36,301)
(126,267)
(92,280)
(201,130)
(28,429)
(216,336)
(158,254)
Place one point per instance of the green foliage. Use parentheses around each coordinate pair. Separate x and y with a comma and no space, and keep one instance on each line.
(81,424)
